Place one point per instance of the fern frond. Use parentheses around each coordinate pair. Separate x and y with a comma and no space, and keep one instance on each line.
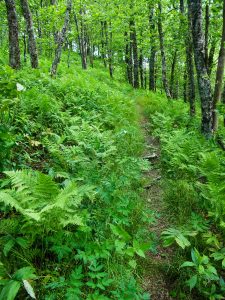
(39,199)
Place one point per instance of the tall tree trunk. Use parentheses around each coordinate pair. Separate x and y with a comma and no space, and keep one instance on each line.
(204,85)
(141,68)
(24,47)
(211,57)
(61,39)
(172,86)
(39,31)
(182,7)
(133,38)
(185,85)
(152,86)
(110,51)
(207,20)
(163,55)
(80,44)
(190,68)
(14,49)
(219,74)
(103,43)
(128,60)
(83,39)
(30,32)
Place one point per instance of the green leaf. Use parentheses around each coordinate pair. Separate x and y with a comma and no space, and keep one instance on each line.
(130,251)
(192,281)
(223,263)
(22,242)
(187,264)
(182,241)
(10,290)
(8,246)
(119,231)
(132,263)
(24,273)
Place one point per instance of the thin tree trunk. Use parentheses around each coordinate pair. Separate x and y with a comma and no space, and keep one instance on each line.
(182,7)
(80,43)
(141,68)
(30,31)
(204,85)
(103,43)
(128,60)
(211,57)
(190,68)
(207,20)
(133,38)
(14,49)
(24,48)
(219,74)
(39,31)
(152,86)
(185,85)
(163,55)
(110,51)
(172,87)
(61,39)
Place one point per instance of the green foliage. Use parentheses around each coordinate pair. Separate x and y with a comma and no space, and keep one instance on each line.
(193,182)
(12,283)
(71,188)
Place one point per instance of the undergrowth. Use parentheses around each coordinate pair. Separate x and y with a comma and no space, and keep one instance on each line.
(73,223)
(193,184)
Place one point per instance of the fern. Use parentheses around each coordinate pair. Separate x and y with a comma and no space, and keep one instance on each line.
(39,199)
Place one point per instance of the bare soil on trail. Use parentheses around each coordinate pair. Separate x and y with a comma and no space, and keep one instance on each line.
(157,266)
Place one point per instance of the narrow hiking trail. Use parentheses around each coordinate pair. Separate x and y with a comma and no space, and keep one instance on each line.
(157,265)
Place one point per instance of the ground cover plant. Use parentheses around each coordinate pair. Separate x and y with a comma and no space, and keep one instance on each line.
(193,170)
(71,184)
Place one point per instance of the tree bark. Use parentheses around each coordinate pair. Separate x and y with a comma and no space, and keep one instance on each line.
(141,68)
(219,74)
(207,20)
(211,57)
(204,84)
(14,49)
(24,48)
(152,86)
(80,43)
(133,38)
(172,87)
(185,85)
(61,39)
(190,68)
(163,55)
(110,51)
(128,60)
(103,43)
(30,32)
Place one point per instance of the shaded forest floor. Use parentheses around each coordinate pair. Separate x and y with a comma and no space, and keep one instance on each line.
(157,264)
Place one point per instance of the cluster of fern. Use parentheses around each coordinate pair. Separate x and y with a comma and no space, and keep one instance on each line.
(193,183)
(72,218)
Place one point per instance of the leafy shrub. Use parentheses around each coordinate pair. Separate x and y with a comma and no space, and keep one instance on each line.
(193,181)
(73,186)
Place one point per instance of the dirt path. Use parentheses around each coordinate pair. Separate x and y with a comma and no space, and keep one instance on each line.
(157,265)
